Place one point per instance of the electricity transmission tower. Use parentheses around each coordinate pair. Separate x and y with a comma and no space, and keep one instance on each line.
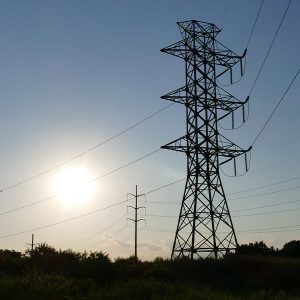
(205,226)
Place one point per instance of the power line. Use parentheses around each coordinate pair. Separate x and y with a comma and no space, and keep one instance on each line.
(73,239)
(164,186)
(268,213)
(240,210)
(263,186)
(104,229)
(269,205)
(270,228)
(79,107)
(150,215)
(86,151)
(270,231)
(105,239)
(274,110)
(80,216)
(238,192)
(236,216)
(63,221)
(270,47)
(90,181)
(253,27)
(268,193)
(28,205)
(160,216)
(249,196)
(253,231)
(152,191)
(224,12)
(124,166)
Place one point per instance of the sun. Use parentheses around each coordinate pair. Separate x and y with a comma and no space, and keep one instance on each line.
(72,186)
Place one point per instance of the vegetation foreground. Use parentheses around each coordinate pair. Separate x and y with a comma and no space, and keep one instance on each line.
(255,272)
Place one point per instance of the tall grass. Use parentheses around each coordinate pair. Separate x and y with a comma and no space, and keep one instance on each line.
(53,274)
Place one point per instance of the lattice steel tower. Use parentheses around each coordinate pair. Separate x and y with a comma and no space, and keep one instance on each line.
(205,226)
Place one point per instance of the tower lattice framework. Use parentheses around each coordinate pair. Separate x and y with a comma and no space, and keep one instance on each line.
(205,226)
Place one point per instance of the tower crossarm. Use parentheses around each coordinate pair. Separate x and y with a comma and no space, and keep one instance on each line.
(224,102)
(179,145)
(227,104)
(180,95)
(178,49)
(230,106)
(224,148)
(229,150)
(225,57)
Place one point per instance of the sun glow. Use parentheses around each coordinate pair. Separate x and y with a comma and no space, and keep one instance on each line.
(72,186)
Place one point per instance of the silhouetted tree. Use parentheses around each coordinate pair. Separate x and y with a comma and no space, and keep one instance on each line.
(42,249)
(257,248)
(291,249)
(10,253)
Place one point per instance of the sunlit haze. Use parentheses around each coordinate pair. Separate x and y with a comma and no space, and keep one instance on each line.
(72,186)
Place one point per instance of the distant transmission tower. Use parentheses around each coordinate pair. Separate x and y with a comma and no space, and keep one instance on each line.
(205,226)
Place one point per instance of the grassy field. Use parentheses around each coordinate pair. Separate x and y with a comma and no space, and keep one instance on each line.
(58,287)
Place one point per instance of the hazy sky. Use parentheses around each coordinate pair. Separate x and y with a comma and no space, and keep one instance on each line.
(75,73)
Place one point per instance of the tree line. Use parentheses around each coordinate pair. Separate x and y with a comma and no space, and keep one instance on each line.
(49,273)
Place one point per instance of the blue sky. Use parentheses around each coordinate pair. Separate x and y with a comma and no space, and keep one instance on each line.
(75,73)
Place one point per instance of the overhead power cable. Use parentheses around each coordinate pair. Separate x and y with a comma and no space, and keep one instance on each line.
(160,216)
(275,108)
(265,206)
(86,230)
(147,193)
(253,231)
(267,193)
(264,186)
(271,228)
(105,239)
(270,231)
(87,214)
(86,151)
(164,186)
(241,210)
(90,181)
(268,213)
(253,27)
(63,221)
(114,222)
(28,205)
(270,47)
(124,166)
(242,197)
(224,12)
(236,216)
(83,105)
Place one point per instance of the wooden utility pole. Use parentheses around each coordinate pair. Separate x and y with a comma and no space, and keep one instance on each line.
(32,244)
(136,220)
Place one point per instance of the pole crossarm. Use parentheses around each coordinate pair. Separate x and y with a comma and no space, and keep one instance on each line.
(138,220)
(204,225)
